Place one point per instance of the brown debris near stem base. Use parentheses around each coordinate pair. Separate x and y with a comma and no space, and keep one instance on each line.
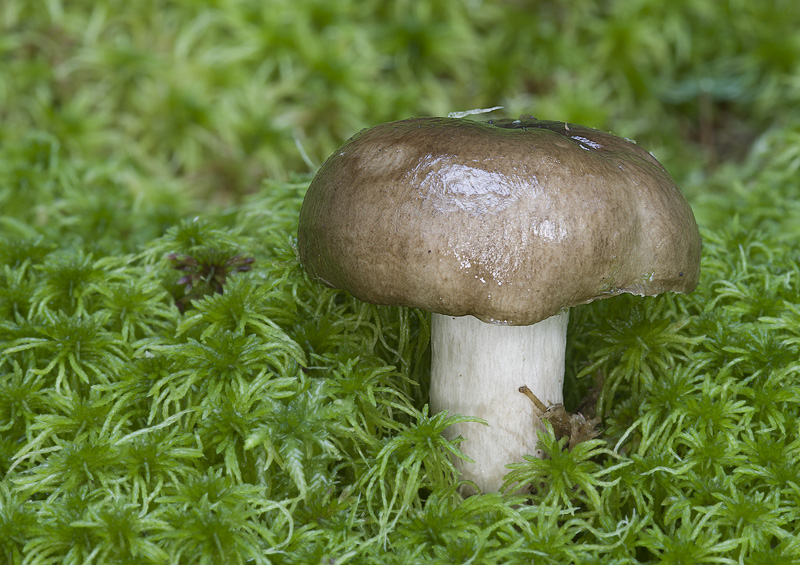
(574,426)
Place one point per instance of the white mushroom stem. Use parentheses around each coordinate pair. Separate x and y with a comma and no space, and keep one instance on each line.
(477,369)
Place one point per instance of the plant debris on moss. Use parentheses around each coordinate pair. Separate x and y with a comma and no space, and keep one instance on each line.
(173,388)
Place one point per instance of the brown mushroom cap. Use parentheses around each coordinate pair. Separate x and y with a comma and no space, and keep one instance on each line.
(509,221)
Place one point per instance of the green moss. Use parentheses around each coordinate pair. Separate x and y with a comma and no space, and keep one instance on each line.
(173,388)
(313,404)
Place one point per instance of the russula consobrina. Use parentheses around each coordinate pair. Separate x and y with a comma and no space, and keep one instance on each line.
(497,228)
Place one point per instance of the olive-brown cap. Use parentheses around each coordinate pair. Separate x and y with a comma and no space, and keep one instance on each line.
(509,221)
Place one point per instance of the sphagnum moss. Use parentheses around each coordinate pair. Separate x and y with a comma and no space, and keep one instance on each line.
(281,422)
(133,418)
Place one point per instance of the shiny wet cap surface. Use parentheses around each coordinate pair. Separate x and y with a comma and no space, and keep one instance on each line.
(509,221)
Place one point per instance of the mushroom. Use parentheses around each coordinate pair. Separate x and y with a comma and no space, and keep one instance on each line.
(497,228)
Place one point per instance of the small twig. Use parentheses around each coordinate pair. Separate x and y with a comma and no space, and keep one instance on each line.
(574,426)
(535,399)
